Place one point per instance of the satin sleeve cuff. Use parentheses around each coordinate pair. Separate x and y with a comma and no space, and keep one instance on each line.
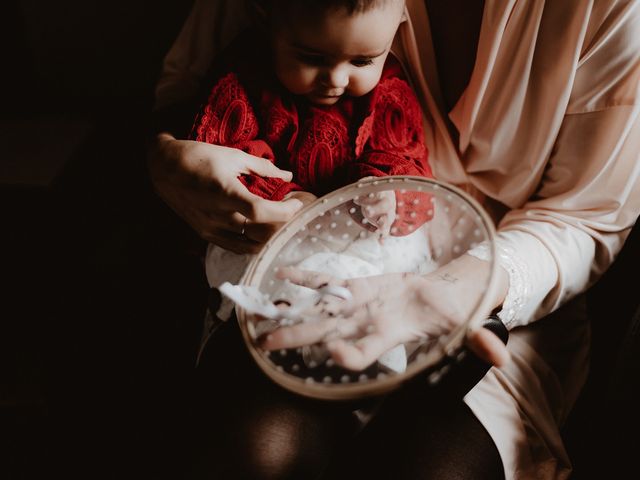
(518,276)
(523,304)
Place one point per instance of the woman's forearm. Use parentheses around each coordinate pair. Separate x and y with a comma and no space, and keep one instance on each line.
(472,277)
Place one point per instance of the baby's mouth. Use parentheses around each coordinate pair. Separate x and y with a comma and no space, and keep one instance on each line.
(323,98)
(329,93)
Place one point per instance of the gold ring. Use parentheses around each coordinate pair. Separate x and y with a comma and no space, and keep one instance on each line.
(244,226)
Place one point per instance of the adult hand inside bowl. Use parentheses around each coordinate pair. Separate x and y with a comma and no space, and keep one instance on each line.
(390,309)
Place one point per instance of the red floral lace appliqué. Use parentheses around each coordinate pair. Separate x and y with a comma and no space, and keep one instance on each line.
(227,118)
(281,123)
(323,148)
(395,122)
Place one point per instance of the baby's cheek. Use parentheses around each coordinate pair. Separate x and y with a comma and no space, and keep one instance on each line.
(296,79)
(363,82)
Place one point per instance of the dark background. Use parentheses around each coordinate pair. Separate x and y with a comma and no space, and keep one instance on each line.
(102,299)
(103,295)
(82,55)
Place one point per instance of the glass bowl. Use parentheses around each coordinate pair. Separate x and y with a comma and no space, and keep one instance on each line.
(433,224)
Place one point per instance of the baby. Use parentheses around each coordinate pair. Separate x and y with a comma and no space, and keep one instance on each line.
(313,88)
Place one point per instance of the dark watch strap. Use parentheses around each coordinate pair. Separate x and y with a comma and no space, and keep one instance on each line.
(459,372)
(495,325)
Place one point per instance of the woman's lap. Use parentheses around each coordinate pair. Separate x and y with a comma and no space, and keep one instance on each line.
(420,434)
(524,403)
(252,428)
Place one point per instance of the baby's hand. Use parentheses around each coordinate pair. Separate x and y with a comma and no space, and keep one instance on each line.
(379,209)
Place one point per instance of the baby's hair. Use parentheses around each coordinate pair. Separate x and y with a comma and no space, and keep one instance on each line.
(351,6)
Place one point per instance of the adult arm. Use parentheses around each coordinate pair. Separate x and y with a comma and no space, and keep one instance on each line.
(198,181)
(566,236)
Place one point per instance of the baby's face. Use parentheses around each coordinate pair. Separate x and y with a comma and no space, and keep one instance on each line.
(323,57)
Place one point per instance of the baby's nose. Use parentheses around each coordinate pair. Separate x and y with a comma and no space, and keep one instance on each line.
(337,78)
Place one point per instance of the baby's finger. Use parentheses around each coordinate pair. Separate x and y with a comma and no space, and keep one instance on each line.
(382,222)
(375,220)
(369,199)
(385,222)
(375,210)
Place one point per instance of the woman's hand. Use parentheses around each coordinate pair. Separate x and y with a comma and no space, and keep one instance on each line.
(200,183)
(390,309)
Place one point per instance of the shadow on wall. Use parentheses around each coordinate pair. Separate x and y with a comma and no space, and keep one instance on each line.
(75,54)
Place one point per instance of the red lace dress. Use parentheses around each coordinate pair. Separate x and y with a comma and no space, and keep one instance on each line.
(326,148)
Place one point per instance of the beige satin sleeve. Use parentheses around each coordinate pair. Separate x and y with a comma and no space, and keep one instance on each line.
(210,27)
(576,223)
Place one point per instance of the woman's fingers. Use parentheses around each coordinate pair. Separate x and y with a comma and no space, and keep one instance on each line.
(297,335)
(228,215)
(236,223)
(260,210)
(200,183)
(309,333)
(359,355)
(264,168)
(242,226)
(309,279)
(488,347)
(226,234)
(261,232)
(267,211)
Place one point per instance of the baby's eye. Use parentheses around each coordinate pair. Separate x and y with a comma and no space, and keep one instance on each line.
(310,59)
(362,62)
